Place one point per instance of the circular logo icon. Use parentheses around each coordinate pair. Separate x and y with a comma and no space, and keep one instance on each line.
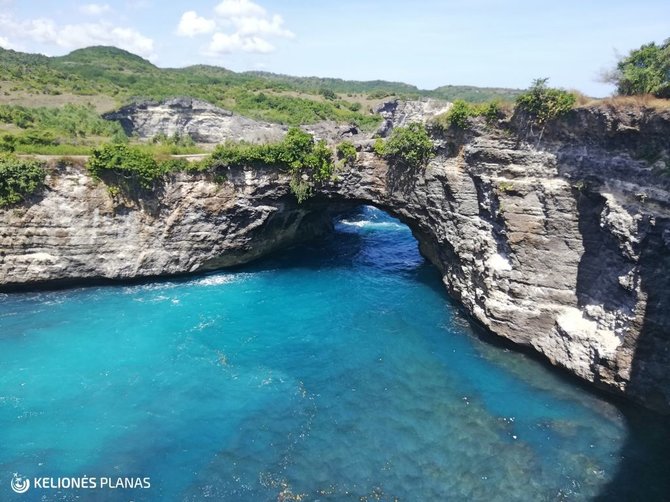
(20,484)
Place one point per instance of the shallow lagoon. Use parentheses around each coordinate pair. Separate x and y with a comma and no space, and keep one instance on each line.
(337,371)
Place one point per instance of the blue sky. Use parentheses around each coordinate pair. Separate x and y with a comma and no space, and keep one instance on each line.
(426,43)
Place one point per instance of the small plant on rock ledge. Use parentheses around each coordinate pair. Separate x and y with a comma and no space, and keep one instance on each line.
(505,186)
(346,152)
(300,188)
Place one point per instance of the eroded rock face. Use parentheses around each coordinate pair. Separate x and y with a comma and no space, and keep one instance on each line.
(204,122)
(208,124)
(562,245)
(79,231)
(401,113)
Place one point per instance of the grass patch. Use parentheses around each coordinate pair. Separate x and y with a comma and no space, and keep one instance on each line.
(60,149)
(642,101)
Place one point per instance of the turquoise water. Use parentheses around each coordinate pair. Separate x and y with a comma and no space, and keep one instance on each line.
(337,371)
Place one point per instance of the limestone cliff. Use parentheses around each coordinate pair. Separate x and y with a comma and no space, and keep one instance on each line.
(559,243)
(202,121)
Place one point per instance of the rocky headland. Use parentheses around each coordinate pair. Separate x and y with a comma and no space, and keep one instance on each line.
(558,241)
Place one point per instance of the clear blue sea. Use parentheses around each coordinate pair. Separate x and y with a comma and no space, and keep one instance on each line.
(339,370)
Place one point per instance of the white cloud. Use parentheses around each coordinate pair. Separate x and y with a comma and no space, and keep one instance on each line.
(95,9)
(191,24)
(259,26)
(6,44)
(226,44)
(239,8)
(74,36)
(239,26)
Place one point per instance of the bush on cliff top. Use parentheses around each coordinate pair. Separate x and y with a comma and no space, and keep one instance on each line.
(129,163)
(461,111)
(409,146)
(19,178)
(297,152)
(544,103)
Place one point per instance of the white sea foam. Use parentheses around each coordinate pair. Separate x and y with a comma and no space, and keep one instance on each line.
(371,224)
(156,286)
(217,280)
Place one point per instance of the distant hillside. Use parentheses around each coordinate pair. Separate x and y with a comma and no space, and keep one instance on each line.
(337,85)
(108,72)
(475,94)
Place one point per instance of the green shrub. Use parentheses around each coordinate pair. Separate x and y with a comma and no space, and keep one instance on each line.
(294,150)
(7,143)
(297,151)
(127,162)
(328,94)
(173,165)
(67,121)
(120,137)
(410,146)
(544,103)
(459,113)
(19,178)
(379,147)
(491,111)
(320,161)
(346,152)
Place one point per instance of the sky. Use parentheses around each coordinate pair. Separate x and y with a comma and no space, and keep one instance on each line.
(427,43)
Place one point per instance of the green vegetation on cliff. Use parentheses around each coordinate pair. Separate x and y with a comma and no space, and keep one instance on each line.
(19,178)
(346,152)
(461,111)
(543,103)
(129,164)
(644,71)
(409,146)
(296,152)
(308,161)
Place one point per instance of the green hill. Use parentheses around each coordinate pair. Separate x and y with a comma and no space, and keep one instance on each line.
(109,58)
(475,94)
(53,102)
(116,73)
